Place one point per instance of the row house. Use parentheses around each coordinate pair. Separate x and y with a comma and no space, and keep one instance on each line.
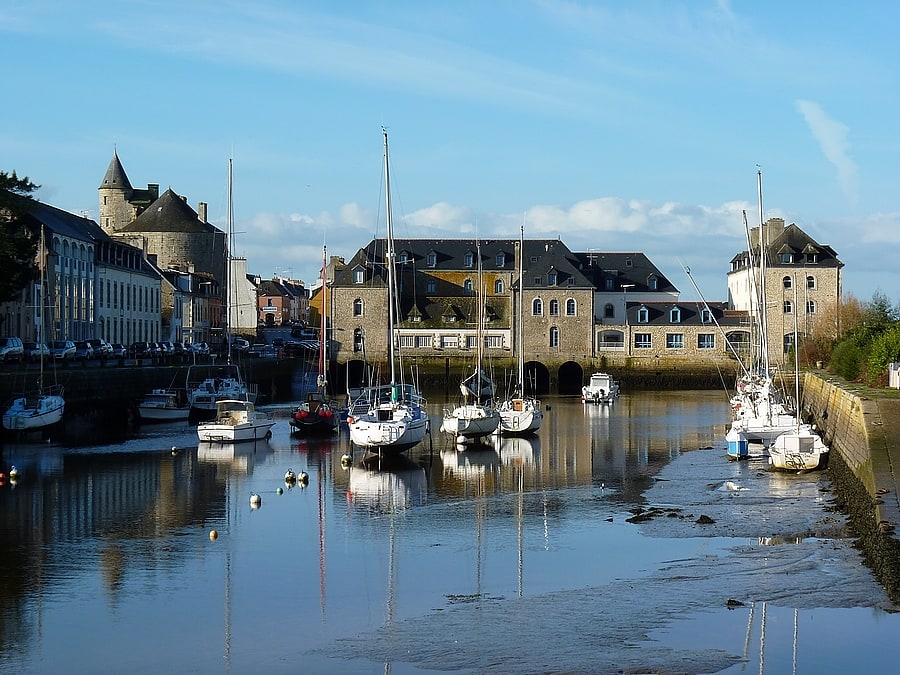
(281,302)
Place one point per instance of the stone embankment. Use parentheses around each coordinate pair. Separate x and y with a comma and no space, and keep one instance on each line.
(862,428)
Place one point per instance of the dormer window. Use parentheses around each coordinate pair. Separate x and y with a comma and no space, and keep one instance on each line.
(359,276)
(653,283)
(675,315)
(629,262)
(431,287)
(609,285)
(469,259)
(551,278)
(643,315)
(538,281)
(403,258)
(431,260)
(812,257)
(786,257)
(705,316)
(501,259)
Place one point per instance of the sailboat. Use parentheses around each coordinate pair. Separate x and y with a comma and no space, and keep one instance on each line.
(759,413)
(476,417)
(389,418)
(43,407)
(317,415)
(520,415)
(236,418)
(801,448)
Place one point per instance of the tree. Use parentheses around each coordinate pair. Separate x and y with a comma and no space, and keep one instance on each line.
(18,245)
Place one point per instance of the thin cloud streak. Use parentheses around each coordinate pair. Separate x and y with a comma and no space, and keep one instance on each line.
(832,137)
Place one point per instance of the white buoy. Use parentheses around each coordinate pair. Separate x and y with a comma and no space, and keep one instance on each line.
(290,476)
(255,500)
(346,459)
(174,451)
(213,535)
(13,473)
(303,477)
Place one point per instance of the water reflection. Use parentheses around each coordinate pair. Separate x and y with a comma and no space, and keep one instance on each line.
(98,542)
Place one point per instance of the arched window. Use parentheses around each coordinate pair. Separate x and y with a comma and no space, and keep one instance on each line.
(643,315)
(810,281)
(469,287)
(554,336)
(498,287)
(675,315)
(537,307)
(788,343)
(810,306)
(554,307)
(570,307)
(788,307)
(787,282)
(609,312)
(357,307)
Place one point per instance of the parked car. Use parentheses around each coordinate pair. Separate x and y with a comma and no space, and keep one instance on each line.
(102,349)
(11,349)
(140,350)
(240,345)
(62,350)
(83,351)
(35,351)
(119,350)
(167,347)
(180,348)
(199,348)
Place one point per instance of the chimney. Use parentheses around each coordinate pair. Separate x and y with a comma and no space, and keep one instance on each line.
(153,189)
(201,211)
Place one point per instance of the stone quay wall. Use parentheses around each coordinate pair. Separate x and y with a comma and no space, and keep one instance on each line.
(863,431)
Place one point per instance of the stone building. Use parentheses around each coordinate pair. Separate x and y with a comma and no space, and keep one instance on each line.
(802,277)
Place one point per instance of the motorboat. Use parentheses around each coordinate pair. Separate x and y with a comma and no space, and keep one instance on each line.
(236,421)
(601,388)
(163,405)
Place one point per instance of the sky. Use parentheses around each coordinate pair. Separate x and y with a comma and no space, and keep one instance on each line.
(614,126)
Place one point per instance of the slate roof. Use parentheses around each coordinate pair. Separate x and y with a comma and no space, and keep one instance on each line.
(66,224)
(794,240)
(659,313)
(169,213)
(623,268)
(541,257)
(115,175)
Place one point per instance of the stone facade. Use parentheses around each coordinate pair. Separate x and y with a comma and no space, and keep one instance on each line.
(801,278)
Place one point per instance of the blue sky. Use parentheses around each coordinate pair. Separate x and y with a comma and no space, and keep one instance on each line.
(616,126)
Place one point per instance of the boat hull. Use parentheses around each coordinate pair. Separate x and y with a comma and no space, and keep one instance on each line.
(235,433)
(26,415)
(394,434)
(520,417)
(798,450)
(471,422)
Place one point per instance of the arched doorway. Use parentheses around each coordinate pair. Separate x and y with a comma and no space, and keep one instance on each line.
(571,378)
(537,378)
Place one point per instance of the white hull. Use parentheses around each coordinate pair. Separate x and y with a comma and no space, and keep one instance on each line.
(470,422)
(29,413)
(389,428)
(236,421)
(765,431)
(162,406)
(601,389)
(799,450)
(519,417)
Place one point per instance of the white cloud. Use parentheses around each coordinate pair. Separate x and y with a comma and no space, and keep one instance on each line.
(831,136)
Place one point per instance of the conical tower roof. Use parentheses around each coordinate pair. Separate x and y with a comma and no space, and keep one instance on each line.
(115,175)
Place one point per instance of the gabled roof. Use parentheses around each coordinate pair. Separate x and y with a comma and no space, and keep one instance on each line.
(623,268)
(66,224)
(169,213)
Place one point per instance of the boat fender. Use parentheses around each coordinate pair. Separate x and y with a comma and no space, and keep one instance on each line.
(268,434)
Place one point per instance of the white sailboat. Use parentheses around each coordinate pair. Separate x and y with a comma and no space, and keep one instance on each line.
(801,448)
(44,406)
(520,415)
(759,412)
(236,418)
(390,418)
(476,417)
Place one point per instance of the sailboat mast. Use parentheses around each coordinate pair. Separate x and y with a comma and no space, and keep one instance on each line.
(520,337)
(229,243)
(322,338)
(390,257)
(764,308)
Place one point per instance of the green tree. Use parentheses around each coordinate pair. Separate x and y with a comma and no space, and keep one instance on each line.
(18,245)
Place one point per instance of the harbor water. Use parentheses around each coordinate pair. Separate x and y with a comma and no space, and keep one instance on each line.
(619,539)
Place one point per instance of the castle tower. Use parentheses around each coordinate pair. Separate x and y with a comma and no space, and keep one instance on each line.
(120,203)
